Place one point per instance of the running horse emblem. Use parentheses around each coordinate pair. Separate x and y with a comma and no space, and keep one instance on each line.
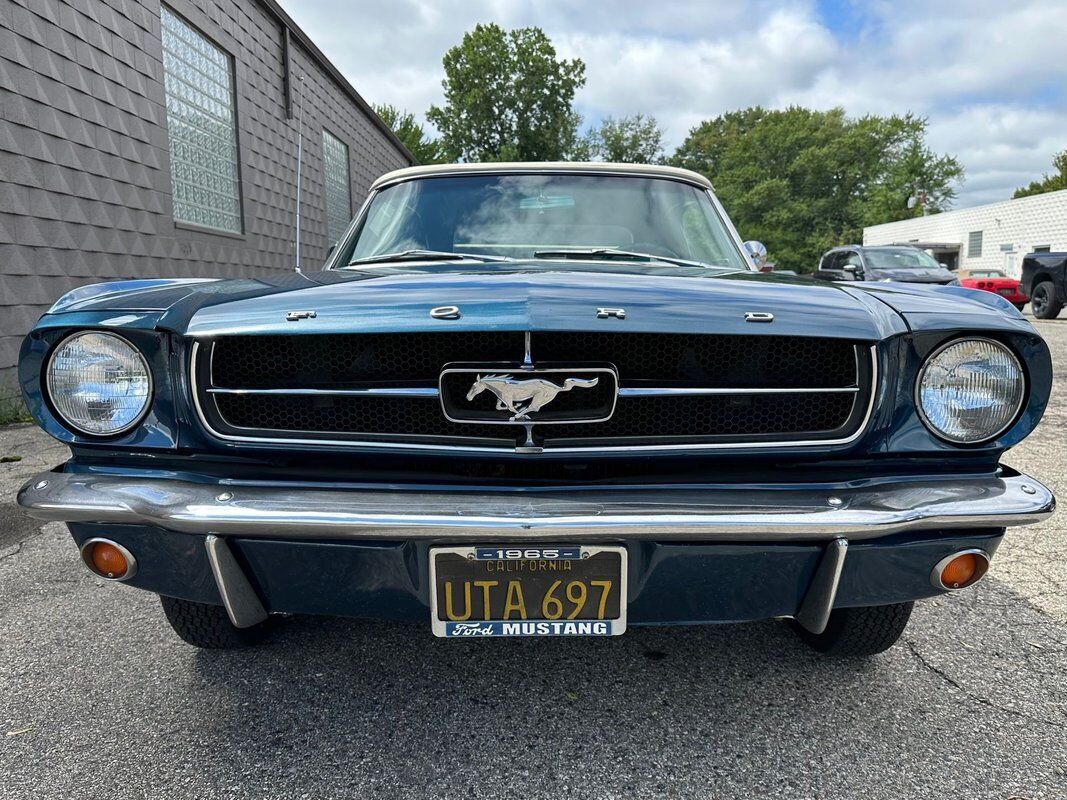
(522,398)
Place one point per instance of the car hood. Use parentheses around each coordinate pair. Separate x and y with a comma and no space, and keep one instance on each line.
(913,275)
(542,296)
(534,297)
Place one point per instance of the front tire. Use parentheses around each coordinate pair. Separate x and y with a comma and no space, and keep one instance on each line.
(1043,301)
(207,626)
(859,632)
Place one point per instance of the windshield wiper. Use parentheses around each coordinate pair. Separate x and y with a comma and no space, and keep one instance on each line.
(424,255)
(614,253)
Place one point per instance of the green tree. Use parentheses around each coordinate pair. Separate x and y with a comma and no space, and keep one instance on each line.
(426,150)
(1048,183)
(508,97)
(802,181)
(636,140)
(917,181)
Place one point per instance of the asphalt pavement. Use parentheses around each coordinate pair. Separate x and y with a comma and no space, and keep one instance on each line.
(99,699)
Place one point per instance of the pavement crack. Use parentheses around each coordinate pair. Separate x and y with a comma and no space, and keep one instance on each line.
(15,550)
(985,701)
(931,668)
(17,547)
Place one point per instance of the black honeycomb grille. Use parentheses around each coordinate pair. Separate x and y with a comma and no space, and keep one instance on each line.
(417,417)
(366,361)
(716,415)
(313,360)
(337,360)
(657,417)
(752,362)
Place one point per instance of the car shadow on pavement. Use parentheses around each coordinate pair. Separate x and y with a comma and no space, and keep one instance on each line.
(370,692)
(384,706)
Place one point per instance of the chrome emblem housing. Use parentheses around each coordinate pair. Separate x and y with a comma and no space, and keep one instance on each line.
(528,394)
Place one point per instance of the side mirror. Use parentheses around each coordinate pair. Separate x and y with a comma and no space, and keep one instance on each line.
(332,248)
(756,251)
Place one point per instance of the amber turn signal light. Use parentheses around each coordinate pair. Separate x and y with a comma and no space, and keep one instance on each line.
(108,559)
(960,570)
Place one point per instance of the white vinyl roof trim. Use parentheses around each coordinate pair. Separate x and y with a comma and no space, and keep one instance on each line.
(538,167)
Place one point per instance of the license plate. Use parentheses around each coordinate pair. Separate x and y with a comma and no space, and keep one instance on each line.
(569,590)
(1008,292)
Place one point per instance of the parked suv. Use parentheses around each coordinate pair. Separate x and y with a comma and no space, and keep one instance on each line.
(895,263)
(1043,280)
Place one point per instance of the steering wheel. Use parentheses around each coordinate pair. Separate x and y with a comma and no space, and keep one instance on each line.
(652,249)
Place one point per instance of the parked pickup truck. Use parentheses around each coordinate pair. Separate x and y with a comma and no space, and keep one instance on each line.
(538,400)
(1044,279)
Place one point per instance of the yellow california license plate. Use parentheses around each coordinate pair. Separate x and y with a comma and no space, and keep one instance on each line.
(514,590)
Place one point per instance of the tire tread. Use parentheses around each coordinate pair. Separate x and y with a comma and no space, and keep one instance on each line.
(1052,310)
(207,626)
(859,632)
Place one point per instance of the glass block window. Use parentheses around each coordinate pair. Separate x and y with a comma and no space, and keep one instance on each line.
(974,244)
(201,122)
(338,195)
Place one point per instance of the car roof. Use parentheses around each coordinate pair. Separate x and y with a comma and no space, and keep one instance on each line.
(872,247)
(542,167)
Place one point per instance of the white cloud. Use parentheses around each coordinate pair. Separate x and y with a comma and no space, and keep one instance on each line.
(1002,146)
(681,84)
(973,70)
(994,94)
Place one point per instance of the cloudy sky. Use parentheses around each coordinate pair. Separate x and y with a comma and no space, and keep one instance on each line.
(990,76)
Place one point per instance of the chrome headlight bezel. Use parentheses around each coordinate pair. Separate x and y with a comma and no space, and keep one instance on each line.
(51,392)
(1011,419)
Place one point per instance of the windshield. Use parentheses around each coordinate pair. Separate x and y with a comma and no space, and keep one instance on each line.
(900,258)
(518,216)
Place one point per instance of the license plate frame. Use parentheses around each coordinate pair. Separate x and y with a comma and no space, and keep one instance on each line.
(533,626)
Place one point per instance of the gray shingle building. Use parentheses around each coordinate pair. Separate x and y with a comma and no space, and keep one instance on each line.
(140,139)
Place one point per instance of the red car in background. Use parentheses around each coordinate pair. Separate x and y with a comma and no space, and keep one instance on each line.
(993,280)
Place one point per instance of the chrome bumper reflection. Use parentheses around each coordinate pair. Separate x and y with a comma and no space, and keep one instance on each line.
(861,510)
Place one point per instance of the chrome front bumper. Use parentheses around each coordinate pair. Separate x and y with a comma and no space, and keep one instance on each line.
(858,510)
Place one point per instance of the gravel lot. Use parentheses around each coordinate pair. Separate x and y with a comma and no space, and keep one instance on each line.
(98,698)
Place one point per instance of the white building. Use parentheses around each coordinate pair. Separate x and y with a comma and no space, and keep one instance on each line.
(996,236)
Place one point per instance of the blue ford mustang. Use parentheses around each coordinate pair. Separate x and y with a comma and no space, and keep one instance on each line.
(537,399)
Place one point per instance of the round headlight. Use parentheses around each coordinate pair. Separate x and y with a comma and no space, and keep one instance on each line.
(99,383)
(970,390)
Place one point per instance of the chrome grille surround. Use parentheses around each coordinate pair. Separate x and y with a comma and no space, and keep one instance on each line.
(401,401)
